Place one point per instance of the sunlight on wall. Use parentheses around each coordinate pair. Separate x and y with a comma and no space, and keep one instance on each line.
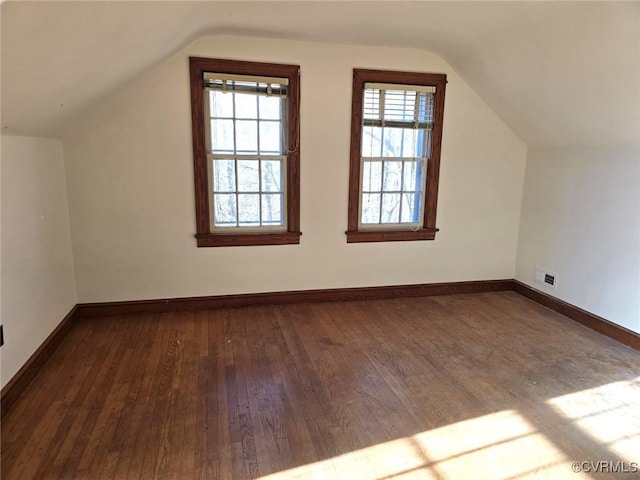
(610,414)
(500,445)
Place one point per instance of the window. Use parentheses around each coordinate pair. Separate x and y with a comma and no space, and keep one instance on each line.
(396,130)
(246,147)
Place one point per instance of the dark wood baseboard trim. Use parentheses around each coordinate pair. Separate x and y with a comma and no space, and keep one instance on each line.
(300,296)
(21,380)
(590,320)
(594,322)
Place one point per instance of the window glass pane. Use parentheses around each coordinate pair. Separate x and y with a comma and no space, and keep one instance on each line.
(392,176)
(246,106)
(425,113)
(269,107)
(371,141)
(224,176)
(221,104)
(248,176)
(222,136)
(270,138)
(390,208)
(372,176)
(224,212)
(248,209)
(409,146)
(246,136)
(271,176)
(370,208)
(423,139)
(272,209)
(410,207)
(412,176)
(392,143)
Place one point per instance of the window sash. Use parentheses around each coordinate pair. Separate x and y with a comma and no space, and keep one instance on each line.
(235,155)
(260,193)
(396,106)
(421,191)
(208,118)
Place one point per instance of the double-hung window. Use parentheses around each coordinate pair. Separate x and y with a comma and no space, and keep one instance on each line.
(396,131)
(246,152)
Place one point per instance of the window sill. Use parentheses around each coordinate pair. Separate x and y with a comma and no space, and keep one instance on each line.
(391,235)
(247,239)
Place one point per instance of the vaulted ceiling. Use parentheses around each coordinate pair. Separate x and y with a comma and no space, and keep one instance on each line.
(559,74)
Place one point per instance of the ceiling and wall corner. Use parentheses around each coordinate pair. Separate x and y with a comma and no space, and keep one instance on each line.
(541,66)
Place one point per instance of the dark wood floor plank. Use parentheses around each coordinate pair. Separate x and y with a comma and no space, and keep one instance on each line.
(22,415)
(201,397)
(75,373)
(365,406)
(299,334)
(220,423)
(93,405)
(182,387)
(153,397)
(291,379)
(397,354)
(358,389)
(168,419)
(265,401)
(279,419)
(93,362)
(189,393)
(106,408)
(123,440)
(128,384)
(240,375)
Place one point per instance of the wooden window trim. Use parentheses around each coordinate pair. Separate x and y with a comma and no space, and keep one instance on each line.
(428,232)
(197,67)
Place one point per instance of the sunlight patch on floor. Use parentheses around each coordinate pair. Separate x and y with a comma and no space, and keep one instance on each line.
(498,446)
(610,414)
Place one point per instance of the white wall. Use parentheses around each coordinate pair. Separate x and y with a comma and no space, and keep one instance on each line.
(581,219)
(130,177)
(37,267)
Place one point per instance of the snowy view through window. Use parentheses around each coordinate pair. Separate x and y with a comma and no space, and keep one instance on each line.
(246,158)
(396,136)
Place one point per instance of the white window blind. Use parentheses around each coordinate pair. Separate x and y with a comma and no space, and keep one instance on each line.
(404,106)
(247,84)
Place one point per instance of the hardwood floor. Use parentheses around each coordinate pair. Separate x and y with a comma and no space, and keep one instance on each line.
(467,386)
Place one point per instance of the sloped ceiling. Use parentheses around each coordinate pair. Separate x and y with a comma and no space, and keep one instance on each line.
(559,74)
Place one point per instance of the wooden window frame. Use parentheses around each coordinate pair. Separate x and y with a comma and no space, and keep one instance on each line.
(205,238)
(428,231)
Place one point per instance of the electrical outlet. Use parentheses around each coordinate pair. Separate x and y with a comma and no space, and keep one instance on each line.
(550,279)
(545,277)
